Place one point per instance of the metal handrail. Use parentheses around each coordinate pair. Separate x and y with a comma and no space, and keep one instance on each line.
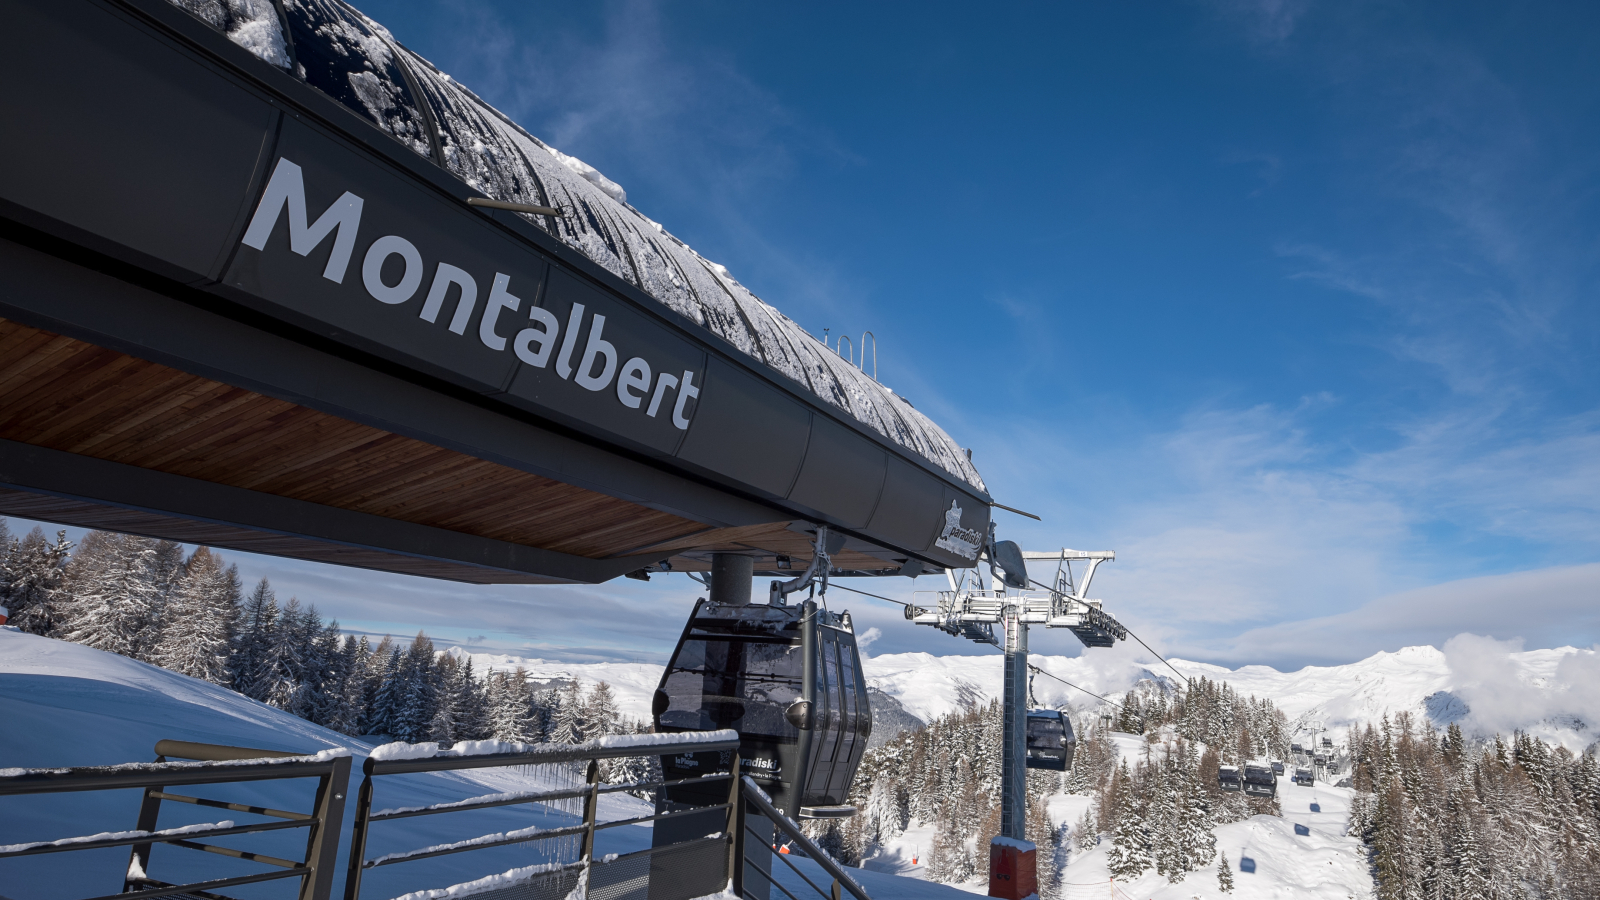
(210,764)
(541,754)
(758,798)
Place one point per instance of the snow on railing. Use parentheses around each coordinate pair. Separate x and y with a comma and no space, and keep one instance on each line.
(431,750)
(118,836)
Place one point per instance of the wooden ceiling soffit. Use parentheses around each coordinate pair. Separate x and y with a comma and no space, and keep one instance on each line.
(39,483)
(62,394)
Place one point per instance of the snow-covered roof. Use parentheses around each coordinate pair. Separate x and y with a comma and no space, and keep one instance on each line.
(353,59)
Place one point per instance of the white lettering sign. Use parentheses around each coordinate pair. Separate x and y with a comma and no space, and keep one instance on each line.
(963,542)
(598,364)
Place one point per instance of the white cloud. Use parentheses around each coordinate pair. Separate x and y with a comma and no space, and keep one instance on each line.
(1501,695)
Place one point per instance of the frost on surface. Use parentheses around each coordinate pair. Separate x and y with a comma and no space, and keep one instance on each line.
(252,24)
(347,57)
(355,60)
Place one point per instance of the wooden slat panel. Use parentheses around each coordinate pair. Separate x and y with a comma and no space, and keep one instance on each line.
(68,395)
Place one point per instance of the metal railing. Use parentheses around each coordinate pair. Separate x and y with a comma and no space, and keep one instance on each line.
(212,764)
(621,875)
(757,800)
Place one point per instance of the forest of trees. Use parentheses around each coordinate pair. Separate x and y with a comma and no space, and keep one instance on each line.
(1451,819)
(146,599)
(1159,811)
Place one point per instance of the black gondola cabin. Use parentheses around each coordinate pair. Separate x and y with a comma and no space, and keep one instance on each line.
(1050,740)
(788,679)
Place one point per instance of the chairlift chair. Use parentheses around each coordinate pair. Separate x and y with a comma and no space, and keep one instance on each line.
(1277,767)
(1228,778)
(1304,777)
(1050,740)
(1327,743)
(1296,748)
(789,680)
(1260,780)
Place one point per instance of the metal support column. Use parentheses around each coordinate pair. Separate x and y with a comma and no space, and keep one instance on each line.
(1013,740)
(730,578)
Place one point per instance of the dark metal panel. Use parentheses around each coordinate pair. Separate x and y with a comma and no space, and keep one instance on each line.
(842,476)
(747,431)
(909,514)
(627,335)
(37,469)
(58,296)
(358,310)
(113,130)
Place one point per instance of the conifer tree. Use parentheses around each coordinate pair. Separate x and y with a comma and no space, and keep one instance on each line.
(114,595)
(199,614)
(32,582)
(1130,847)
(1084,834)
(567,725)
(383,713)
(1224,874)
(249,668)
(600,713)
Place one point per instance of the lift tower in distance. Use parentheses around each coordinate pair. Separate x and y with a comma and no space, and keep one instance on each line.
(1013,603)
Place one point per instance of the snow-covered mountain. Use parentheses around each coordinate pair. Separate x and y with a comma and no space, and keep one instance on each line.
(1486,686)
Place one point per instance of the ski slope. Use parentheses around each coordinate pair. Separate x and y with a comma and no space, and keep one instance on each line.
(1548,693)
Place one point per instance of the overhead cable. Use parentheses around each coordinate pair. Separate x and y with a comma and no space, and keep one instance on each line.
(1071,685)
(865,594)
(1135,637)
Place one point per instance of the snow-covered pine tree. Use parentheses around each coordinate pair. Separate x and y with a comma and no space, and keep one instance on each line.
(600,712)
(419,691)
(331,707)
(167,567)
(1084,834)
(1130,841)
(32,582)
(472,706)
(248,667)
(567,725)
(511,708)
(445,724)
(196,632)
(354,654)
(308,667)
(114,594)
(285,664)
(383,712)
(1224,874)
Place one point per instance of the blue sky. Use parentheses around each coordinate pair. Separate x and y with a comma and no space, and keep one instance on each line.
(1291,303)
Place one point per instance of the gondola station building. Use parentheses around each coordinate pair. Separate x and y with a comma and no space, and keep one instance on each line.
(270,281)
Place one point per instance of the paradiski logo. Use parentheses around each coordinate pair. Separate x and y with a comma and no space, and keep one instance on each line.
(598,365)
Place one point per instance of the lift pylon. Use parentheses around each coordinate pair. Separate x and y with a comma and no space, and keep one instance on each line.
(970,611)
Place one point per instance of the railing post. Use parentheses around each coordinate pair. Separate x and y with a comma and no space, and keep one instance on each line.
(149,814)
(322,844)
(591,806)
(356,864)
(735,829)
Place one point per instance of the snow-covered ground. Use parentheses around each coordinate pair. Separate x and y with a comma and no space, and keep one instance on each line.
(1305,854)
(1425,681)
(63,704)
(1271,859)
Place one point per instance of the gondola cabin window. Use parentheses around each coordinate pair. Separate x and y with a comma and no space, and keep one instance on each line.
(745,685)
